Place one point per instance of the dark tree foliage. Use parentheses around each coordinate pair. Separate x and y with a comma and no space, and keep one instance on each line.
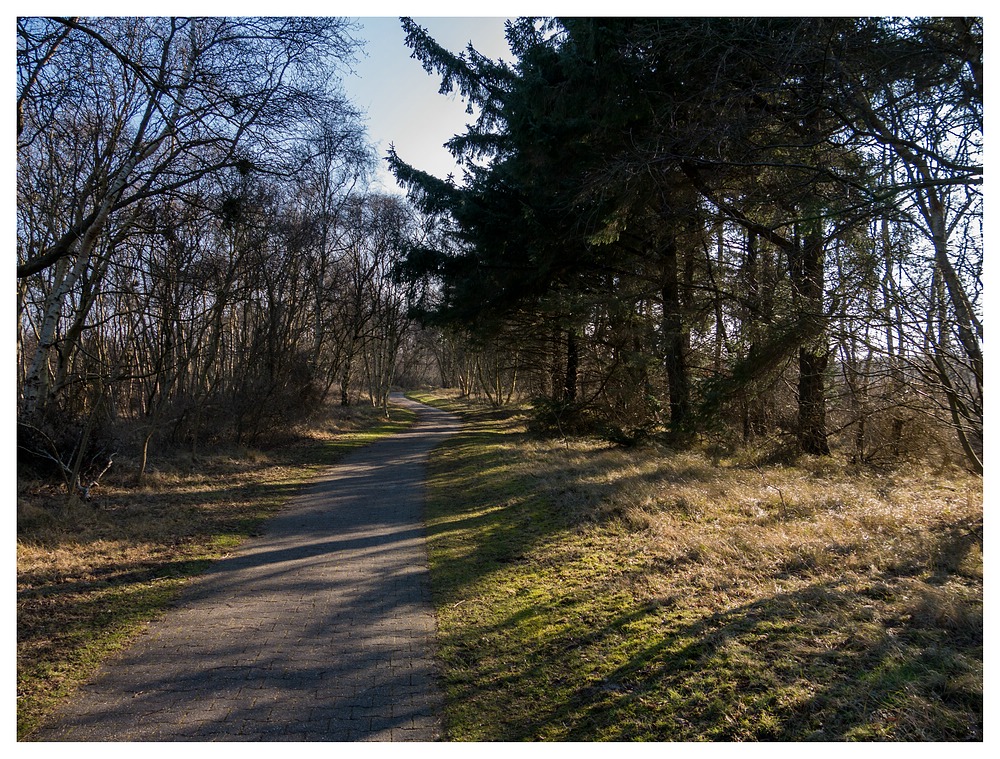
(630,180)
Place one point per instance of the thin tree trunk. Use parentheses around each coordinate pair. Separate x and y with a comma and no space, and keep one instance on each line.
(675,338)
(807,279)
(572,365)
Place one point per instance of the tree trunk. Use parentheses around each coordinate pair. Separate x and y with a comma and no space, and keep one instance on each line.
(572,364)
(675,338)
(345,383)
(806,262)
(812,401)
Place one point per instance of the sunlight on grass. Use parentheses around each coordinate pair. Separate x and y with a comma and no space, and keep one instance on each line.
(586,592)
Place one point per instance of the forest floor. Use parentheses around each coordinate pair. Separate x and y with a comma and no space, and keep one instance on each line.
(89,575)
(587,592)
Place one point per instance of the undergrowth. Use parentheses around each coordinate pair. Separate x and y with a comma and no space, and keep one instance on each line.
(587,592)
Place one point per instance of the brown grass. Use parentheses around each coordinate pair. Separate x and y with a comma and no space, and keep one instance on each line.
(586,592)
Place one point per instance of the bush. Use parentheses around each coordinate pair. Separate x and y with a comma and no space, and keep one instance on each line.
(49,445)
(551,417)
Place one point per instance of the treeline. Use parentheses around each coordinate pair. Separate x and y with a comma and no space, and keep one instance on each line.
(754,229)
(742,227)
(198,255)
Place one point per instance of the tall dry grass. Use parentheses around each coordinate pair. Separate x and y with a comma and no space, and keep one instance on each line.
(589,592)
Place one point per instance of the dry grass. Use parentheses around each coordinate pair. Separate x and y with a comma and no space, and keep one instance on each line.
(90,575)
(587,592)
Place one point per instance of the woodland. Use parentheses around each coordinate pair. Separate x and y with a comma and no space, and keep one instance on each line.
(199,258)
(708,296)
(753,229)
(744,228)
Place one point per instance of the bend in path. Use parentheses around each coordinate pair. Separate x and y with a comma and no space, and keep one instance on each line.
(320,629)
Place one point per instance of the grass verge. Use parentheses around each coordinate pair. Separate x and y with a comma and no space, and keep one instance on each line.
(91,575)
(589,593)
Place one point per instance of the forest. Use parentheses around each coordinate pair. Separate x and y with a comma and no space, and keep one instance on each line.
(737,227)
(199,256)
(747,229)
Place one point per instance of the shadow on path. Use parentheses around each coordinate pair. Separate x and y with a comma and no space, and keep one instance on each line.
(320,629)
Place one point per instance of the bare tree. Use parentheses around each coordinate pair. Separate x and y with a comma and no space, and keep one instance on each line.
(145,108)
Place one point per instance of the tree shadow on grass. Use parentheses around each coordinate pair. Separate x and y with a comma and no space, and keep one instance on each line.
(759,671)
(823,661)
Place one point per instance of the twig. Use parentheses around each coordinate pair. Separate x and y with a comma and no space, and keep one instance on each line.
(85,489)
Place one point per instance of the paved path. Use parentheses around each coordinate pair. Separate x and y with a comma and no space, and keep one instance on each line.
(321,630)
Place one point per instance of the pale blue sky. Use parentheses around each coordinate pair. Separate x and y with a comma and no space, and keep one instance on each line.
(402,101)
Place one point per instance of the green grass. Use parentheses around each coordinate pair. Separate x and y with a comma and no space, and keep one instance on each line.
(91,576)
(586,593)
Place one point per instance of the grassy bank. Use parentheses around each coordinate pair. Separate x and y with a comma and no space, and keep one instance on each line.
(588,593)
(90,575)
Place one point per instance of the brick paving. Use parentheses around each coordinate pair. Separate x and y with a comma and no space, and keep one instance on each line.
(319,630)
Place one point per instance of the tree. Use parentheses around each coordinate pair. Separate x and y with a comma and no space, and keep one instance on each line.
(607,162)
(182,196)
(115,112)
(917,97)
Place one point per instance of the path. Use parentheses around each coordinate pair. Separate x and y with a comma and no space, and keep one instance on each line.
(321,630)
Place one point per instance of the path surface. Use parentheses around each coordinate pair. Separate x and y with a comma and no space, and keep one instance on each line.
(321,630)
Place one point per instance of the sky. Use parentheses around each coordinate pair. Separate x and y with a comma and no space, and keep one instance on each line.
(401,100)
